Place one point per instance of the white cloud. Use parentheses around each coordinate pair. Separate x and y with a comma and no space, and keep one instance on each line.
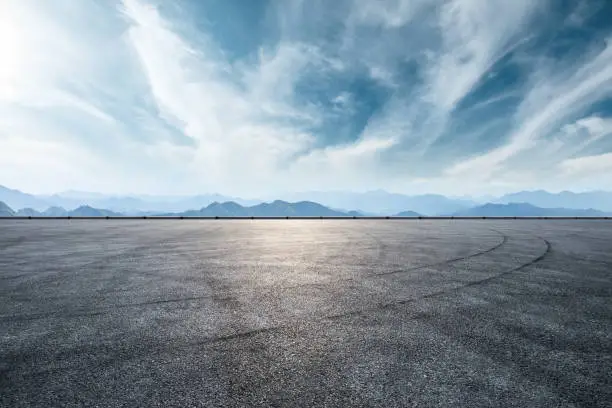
(342,99)
(587,166)
(131,90)
(454,42)
(548,107)
(247,128)
(475,35)
(388,13)
(589,129)
(23,160)
(350,166)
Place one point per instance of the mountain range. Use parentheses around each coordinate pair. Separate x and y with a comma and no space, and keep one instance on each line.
(600,200)
(276,208)
(134,205)
(82,211)
(527,210)
(279,208)
(378,202)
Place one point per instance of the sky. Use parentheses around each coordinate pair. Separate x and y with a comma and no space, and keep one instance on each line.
(256,97)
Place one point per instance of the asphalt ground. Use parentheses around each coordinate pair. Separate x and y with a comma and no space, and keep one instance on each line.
(304,313)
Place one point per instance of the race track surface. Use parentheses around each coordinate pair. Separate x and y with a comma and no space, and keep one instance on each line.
(306,313)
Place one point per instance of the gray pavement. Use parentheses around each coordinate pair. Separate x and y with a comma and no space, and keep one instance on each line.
(427,313)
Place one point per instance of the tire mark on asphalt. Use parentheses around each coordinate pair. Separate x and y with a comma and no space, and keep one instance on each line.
(300,324)
(246,334)
(382,306)
(484,281)
(448,261)
(252,333)
(84,312)
(383,246)
(540,258)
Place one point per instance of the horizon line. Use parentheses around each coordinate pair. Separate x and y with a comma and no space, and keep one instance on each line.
(289,217)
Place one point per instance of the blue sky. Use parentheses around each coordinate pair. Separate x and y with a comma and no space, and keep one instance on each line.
(253,98)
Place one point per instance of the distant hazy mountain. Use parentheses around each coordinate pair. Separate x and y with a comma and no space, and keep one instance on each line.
(378,202)
(87,211)
(276,208)
(354,213)
(302,208)
(17,199)
(55,212)
(137,204)
(28,212)
(81,195)
(384,203)
(281,208)
(600,200)
(408,214)
(82,211)
(5,210)
(200,201)
(526,210)
(374,202)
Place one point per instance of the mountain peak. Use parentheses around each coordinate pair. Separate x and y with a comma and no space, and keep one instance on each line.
(5,210)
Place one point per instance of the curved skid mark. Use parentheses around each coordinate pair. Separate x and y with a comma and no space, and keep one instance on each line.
(228,295)
(252,333)
(389,305)
(382,306)
(446,262)
(523,266)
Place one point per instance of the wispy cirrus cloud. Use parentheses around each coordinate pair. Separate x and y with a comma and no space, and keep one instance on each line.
(551,105)
(430,95)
